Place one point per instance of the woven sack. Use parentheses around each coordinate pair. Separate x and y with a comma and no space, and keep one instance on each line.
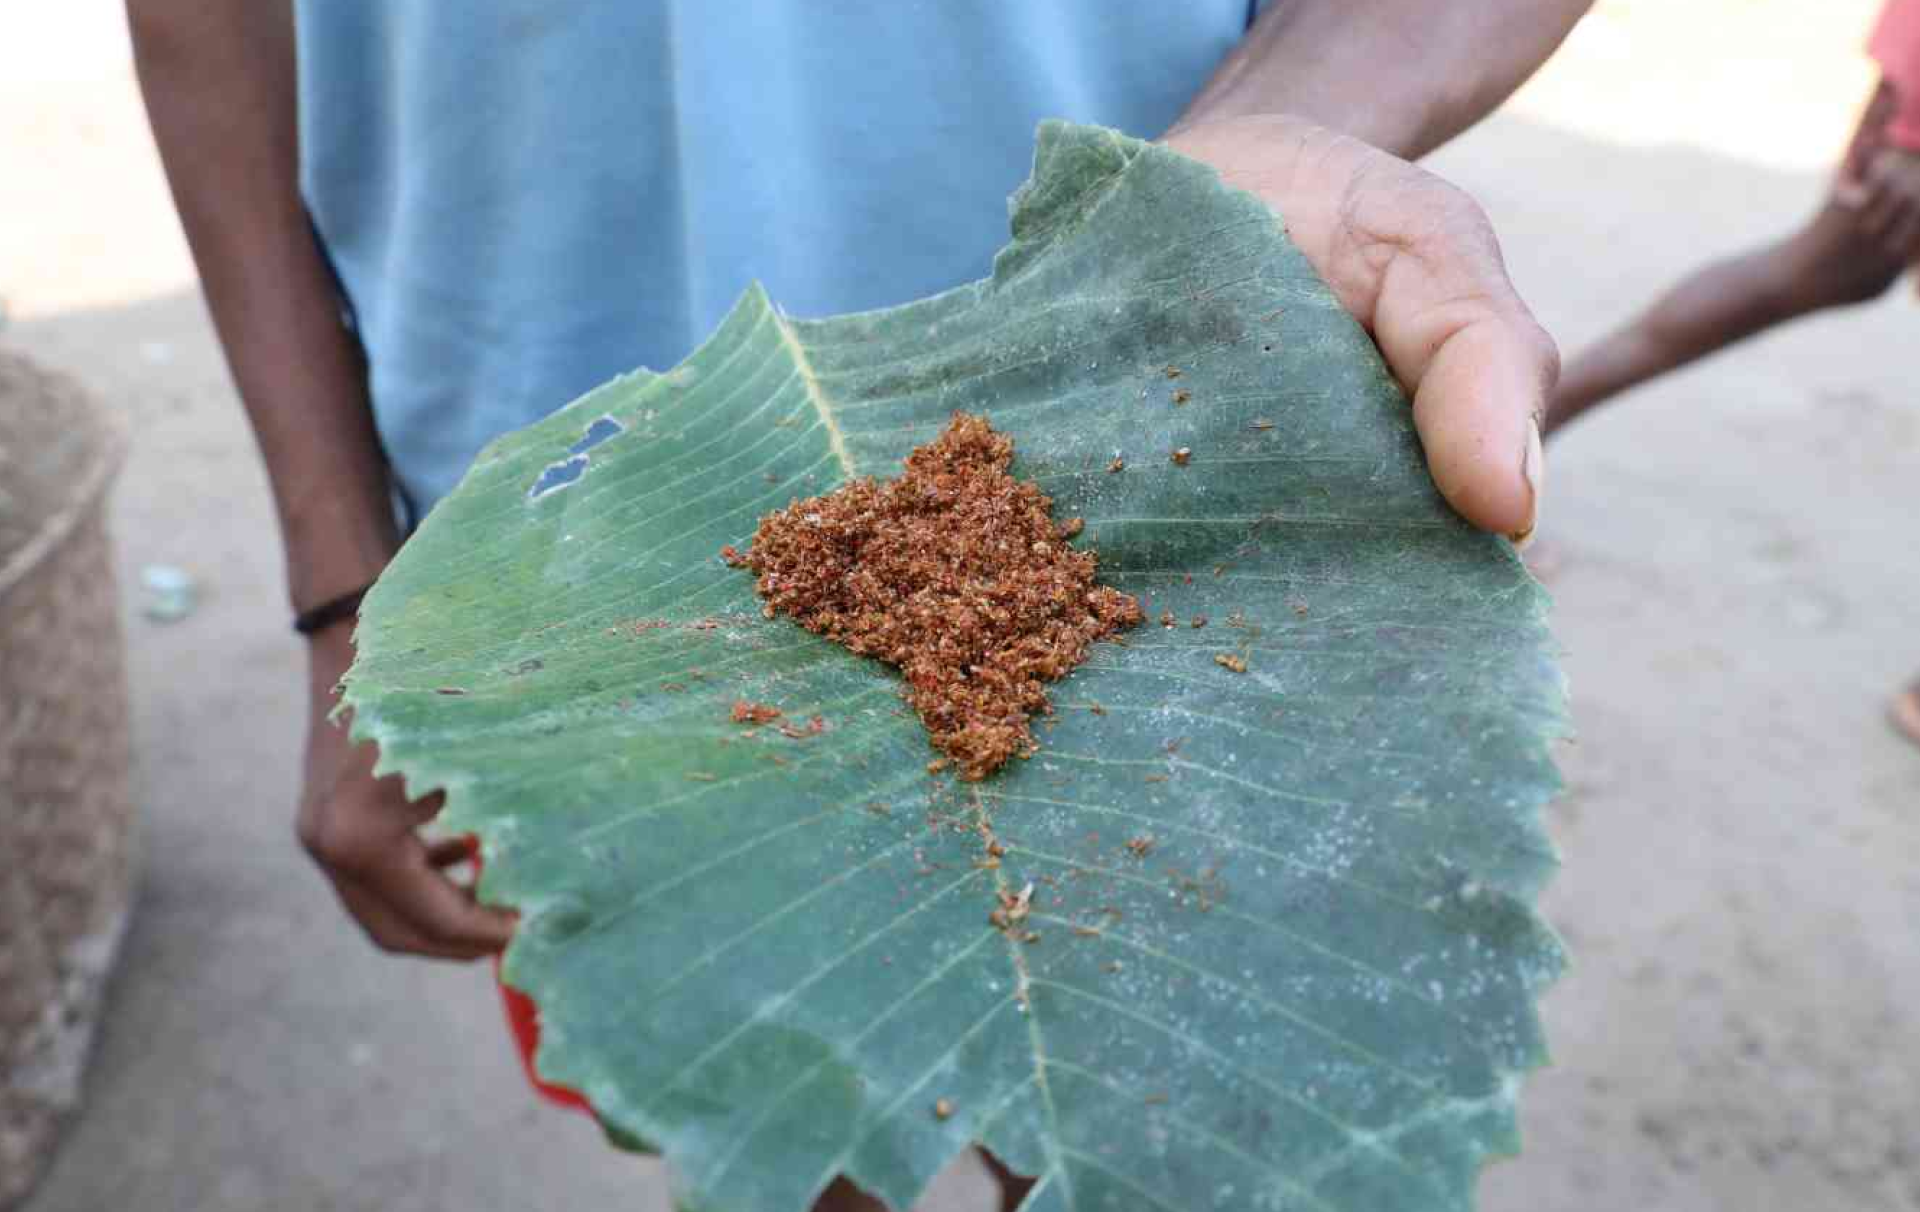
(65,804)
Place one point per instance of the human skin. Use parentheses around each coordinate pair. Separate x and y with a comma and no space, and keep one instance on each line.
(1864,235)
(1415,261)
(218,77)
(1857,244)
(1311,112)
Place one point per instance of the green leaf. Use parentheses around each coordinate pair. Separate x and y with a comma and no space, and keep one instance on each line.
(770,956)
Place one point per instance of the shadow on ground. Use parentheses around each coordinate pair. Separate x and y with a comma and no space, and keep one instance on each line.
(1738,594)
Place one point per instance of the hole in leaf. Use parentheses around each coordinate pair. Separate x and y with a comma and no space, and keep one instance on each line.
(597,433)
(559,475)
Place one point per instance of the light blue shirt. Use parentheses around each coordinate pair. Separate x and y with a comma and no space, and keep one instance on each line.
(524,198)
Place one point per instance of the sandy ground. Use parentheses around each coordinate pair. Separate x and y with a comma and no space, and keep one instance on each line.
(1738,592)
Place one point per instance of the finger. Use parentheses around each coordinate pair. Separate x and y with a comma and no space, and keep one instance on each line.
(419,811)
(1479,367)
(1477,409)
(450,851)
(398,929)
(453,857)
(389,931)
(437,907)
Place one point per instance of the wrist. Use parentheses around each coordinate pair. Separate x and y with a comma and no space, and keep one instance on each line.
(1247,149)
(1310,100)
(335,548)
(329,654)
(343,608)
(1198,119)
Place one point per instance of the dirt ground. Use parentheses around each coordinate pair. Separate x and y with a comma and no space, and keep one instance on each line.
(1738,591)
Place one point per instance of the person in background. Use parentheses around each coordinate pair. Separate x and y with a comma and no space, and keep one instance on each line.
(1864,236)
(421,225)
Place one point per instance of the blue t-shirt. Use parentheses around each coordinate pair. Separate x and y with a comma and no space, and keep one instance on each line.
(524,198)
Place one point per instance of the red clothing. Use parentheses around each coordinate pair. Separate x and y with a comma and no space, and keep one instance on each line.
(1895,46)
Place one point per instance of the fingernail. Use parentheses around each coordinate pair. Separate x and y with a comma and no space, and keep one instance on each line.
(1533,468)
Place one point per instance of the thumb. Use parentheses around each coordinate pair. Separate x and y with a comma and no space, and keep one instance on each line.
(1479,368)
(1477,406)
(1415,261)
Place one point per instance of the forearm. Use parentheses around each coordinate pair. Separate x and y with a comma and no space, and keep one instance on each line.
(219,82)
(1403,75)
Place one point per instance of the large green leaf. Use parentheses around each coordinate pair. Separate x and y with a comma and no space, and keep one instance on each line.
(770,955)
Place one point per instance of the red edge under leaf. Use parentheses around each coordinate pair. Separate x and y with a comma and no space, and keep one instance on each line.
(523,1021)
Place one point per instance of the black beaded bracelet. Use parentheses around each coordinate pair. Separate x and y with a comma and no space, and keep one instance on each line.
(329,612)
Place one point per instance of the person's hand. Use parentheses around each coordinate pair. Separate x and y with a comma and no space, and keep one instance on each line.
(1886,201)
(364,834)
(1415,260)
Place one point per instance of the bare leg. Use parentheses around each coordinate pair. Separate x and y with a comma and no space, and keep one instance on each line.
(1826,264)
